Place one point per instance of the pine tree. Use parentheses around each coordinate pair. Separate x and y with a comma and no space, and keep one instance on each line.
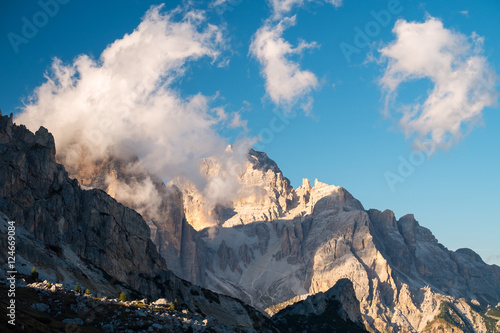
(123,297)
(87,292)
(49,285)
(78,289)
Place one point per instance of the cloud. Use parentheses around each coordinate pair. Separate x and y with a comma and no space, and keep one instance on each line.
(463,81)
(493,259)
(286,82)
(464,13)
(221,6)
(220,2)
(125,103)
(237,122)
(281,8)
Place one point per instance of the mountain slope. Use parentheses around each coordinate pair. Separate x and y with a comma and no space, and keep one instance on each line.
(84,236)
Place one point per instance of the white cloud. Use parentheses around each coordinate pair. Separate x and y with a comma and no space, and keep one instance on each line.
(237,122)
(286,82)
(464,83)
(281,8)
(125,102)
(493,259)
(220,2)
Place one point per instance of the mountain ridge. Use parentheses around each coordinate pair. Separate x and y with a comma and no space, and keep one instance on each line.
(273,244)
(277,243)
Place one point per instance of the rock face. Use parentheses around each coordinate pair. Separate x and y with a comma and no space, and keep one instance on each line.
(304,240)
(162,207)
(272,245)
(336,310)
(87,237)
(263,194)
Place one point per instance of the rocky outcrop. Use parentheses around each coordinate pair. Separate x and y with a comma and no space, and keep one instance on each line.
(413,250)
(336,310)
(85,236)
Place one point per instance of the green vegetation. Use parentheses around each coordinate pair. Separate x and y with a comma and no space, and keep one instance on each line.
(34,274)
(123,297)
(49,285)
(87,292)
(490,324)
(491,318)
(493,312)
(173,305)
(447,318)
(78,289)
(449,315)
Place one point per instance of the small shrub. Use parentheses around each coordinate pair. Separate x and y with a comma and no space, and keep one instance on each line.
(34,274)
(78,289)
(87,292)
(173,305)
(123,297)
(49,285)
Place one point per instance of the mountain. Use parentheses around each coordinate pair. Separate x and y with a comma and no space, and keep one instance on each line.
(272,245)
(76,236)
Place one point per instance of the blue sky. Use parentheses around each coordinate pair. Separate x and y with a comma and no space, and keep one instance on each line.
(255,59)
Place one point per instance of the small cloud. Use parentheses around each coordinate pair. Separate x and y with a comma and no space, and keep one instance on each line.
(286,82)
(219,2)
(237,122)
(464,82)
(464,13)
(493,259)
(282,8)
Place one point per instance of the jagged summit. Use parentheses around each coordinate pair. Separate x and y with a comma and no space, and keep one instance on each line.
(261,161)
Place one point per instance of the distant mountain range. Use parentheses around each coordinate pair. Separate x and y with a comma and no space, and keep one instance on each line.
(312,258)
